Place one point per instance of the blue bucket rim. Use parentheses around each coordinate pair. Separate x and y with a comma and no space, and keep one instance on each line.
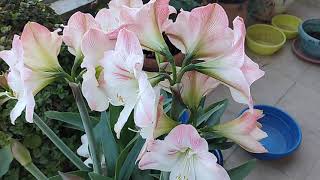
(299,138)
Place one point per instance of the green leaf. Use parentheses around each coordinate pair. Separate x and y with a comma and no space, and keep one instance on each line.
(186,5)
(81,174)
(221,146)
(130,162)
(138,174)
(109,144)
(69,176)
(71,118)
(114,112)
(164,175)
(122,156)
(5,159)
(94,176)
(157,176)
(213,113)
(242,171)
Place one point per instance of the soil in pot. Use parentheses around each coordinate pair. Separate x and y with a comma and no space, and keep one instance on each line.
(315,34)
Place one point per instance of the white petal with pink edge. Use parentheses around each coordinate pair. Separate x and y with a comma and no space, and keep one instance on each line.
(78,24)
(184,154)
(202,33)
(244,131)
(148,22)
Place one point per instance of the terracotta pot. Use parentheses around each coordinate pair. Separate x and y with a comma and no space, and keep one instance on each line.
(150,64)
(235,9)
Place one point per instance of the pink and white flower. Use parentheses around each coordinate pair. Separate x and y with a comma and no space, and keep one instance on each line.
(185,155)
(126,83)
(33,64)
(202,33)
(148,23)
(195,85)
(109,19)
(94,43)
(245,131)
(234,68)
(153,121)
(78,24)
(83,151)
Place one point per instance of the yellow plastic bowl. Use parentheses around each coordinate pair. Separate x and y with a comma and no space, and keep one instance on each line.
(264,39)
(288,24)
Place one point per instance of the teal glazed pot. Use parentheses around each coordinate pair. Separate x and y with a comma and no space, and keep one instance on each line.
(309,33)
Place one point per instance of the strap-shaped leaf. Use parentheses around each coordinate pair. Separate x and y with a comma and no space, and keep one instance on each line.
(94,176)
(109,144)
(213,113)
(122,157)
(71,118)
(130,162)
(127,159)
(5,159)
(164,175)
(75,174)
(242,171)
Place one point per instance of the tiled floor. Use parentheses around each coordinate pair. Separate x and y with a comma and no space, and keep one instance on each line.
(293,86)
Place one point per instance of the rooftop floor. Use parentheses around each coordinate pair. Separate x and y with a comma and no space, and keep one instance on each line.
(294,86)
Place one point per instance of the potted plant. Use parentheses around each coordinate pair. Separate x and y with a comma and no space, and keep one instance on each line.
(264,10)
(133,129)
(235,8)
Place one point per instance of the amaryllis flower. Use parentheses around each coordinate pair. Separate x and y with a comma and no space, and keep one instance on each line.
(195,85)
(33,64)
(109,19)
(94,43)
(83,151)
(152,120)
(245,131)
(114,4)
(202,33)
(126,83)
(234,69)
(78,24)
(185,155)
(148,23)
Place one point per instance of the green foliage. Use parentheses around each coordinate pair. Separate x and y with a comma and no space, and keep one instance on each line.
(75,174)
(242,171)
(72,120)
(14,14)
(108,142)
(5,159)
(212,113)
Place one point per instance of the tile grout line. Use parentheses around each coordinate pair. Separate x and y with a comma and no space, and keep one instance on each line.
(278,101)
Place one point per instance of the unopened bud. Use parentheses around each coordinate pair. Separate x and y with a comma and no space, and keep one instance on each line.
(21,153)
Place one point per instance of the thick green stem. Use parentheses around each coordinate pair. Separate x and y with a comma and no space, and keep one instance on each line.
(170,58)
(185,69)
(87,126)
(193,117)
(35,171)
(187,60)
(59,143)
(76,64)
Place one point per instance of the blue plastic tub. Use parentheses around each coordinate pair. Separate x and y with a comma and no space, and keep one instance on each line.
(284,134)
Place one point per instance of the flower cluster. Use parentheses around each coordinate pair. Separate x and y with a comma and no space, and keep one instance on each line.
(109,50)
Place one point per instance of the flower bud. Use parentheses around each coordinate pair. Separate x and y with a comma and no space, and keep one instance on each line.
(21,153)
